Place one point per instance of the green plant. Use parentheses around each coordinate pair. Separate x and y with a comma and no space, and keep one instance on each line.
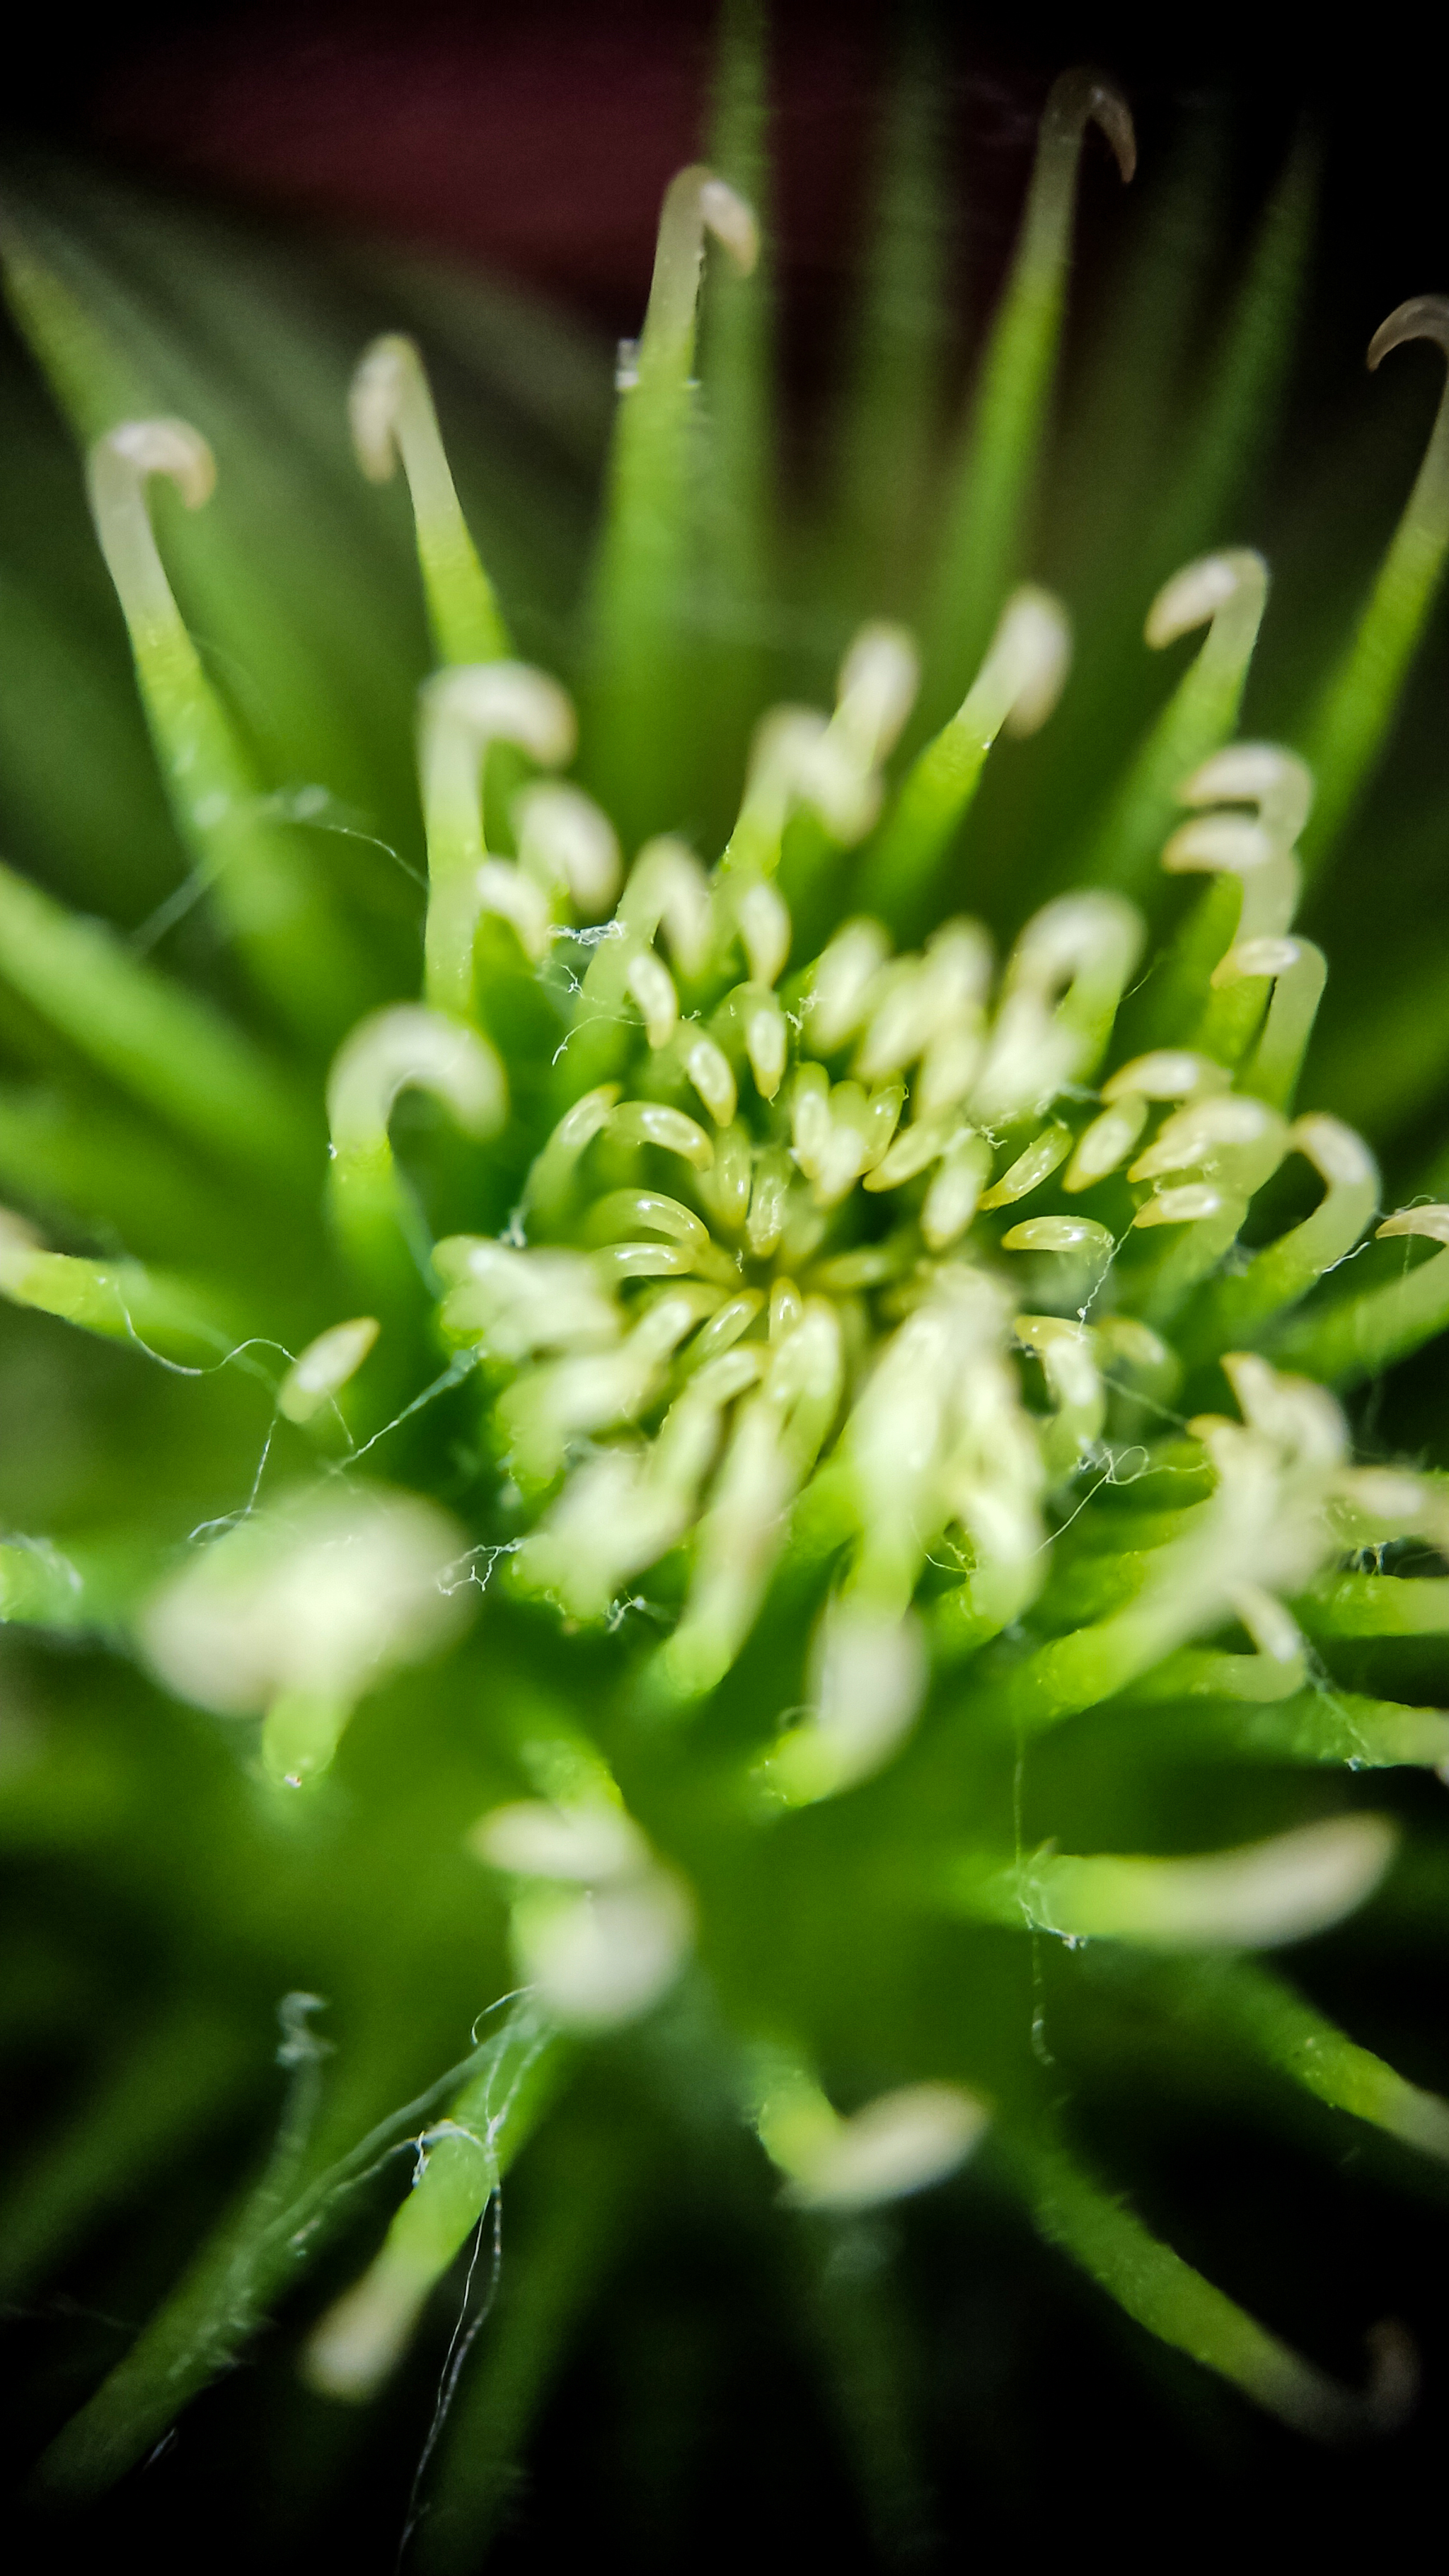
(756,1521)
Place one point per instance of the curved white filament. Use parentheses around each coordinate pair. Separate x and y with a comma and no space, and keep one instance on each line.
(410,1048)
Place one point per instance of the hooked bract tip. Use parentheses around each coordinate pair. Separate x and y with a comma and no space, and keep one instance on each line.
(170,447)
(1085,97)
(1419,317)
(372,404)
(1195,594)
(731,219)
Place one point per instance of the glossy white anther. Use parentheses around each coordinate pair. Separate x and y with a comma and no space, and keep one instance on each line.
(766,1041)
(567,843)
(1300,1418)
(1170,1073)
(409,1048)
(652,1122)
(1203,1132)
(1060,1234)
(766,1220)
(708,1068)
(1069,1364)
(1036,1164)
(1106,1143)
(651,985)
(810,1117)
(325,1367)
(915,1147)
(1185,1206)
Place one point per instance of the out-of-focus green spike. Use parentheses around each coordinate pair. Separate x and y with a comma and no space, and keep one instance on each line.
(1348,728)
(1319,1725)
(259,2246)
(638,731)
(890,415)
(737,429)
(392,415)
(293,940)
(77,773)
(290,622)
(1232,421)
(155,1040)
(81,1158)
(121,1299)
(365,2333)
(1237,1999)
(1163,2293)
(1358,1336)
(181,2080)
(557,2254)
(991,484)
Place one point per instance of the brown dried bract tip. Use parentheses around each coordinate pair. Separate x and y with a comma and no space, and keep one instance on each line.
(1420,317)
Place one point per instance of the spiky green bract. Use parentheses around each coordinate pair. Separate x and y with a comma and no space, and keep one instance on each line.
(752,1452)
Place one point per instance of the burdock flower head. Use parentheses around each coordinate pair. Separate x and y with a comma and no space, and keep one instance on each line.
(888,1378)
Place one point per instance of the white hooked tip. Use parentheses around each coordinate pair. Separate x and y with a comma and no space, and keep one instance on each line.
(599,1958)
(903,2142)
(408,1047)
(484,702)
(587,1846)
(1083,97)
(325,1591)
(1263,774)
(1032,648)
(1195,595)
(876,690)
(731,218)
(325,1367)
(385,376)
(1218,842)
(169,447)
(1254,1898)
